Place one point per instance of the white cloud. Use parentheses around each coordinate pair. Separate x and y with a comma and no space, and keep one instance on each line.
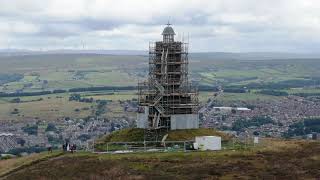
(214,25)
(17,27)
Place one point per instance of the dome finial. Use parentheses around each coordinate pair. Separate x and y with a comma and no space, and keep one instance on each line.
(168,24)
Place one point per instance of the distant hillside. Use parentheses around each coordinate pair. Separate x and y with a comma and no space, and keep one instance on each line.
(20,52)
(252,56)
(197,55)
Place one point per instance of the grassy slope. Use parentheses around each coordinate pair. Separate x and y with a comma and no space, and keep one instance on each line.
(279,160)
(190,134)
(9,165)
(135,134)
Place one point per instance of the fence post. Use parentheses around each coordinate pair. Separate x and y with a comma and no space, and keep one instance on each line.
(107,147)
(93,146)
(184,146)
(144,145)
(233,143)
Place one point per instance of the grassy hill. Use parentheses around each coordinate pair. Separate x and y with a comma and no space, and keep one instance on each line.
(277,160)
(14,164)
(136,134)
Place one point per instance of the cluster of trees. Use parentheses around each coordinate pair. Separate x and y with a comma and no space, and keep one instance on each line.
(84,137)
(294,83)
(208,88)
(33,149)
(54,139)
(6,78)
(101,104)
(101,107)
(234,90)
(18,100)
(15,111)
(77,97)
(225,89)
(39,93)
(57,91)
(306,94)
(273,92)
(51,127)
(31,129)
(257,121)
(307,126)
(103,88)
(15,100)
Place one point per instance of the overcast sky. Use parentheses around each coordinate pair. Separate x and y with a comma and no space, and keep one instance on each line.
(212,25)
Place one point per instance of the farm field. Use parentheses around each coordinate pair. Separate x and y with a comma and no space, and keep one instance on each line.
(47,72)
(236,97)
(36,73)
(57,106)
(58,71)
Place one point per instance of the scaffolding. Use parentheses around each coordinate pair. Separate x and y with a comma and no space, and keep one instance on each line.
(167,91)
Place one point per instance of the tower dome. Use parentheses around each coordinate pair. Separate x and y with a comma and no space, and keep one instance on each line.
(168,31)
(168,34)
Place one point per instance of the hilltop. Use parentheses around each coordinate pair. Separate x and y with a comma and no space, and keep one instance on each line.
(140,135)
(136,134)
(277,160)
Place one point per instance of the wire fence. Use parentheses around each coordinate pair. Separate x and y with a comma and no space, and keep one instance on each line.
(169,146)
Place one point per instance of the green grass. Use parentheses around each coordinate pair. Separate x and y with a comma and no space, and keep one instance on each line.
(285,160)
(136,134)
(125,135)
(49,108)
(57,106)
(114,96)
(190,134)
(29,78)
(234,97)
(303,90)
(106,70)
(14,164)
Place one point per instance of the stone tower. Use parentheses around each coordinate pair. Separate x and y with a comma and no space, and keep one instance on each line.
(167,99)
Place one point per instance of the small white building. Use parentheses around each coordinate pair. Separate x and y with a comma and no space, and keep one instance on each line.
(208,143)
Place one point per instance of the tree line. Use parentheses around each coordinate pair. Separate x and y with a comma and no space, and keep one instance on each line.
(107,88)
(304,127)
(57,91)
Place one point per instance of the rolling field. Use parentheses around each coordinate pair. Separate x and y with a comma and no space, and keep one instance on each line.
(52,72)
(57,106)
(49,108)
(234,97)
(48,72)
